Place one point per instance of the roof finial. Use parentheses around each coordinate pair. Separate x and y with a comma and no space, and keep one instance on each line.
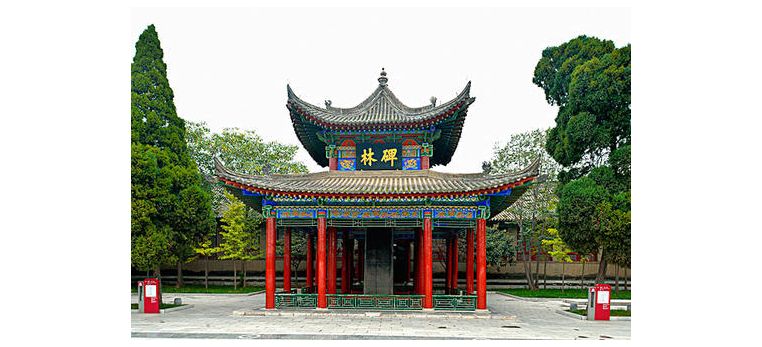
(382,80)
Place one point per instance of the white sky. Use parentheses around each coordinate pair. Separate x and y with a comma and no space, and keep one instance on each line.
(229,66)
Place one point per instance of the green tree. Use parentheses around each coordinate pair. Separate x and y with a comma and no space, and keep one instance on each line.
(242,151)
(536,207)
(299,251)
(171,212)
(501,247)
(238,239)
(557,249)
(589,79)
(205,249)
(151,240)
(614,225)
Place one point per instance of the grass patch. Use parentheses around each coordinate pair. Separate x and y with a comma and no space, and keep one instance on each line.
(557,293)
(212,289)
(162,306)
(613,313)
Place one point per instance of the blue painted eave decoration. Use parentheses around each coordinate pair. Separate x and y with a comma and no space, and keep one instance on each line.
(506,192)
(248,193)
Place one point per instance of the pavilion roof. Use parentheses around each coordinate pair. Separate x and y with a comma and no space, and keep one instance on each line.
(381,111)
(385,184)
(506,215)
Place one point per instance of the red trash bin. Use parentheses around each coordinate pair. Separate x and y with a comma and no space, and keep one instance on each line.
(151,295)
(599,302)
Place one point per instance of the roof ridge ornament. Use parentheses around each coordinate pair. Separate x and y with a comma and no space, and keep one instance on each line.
(382,80)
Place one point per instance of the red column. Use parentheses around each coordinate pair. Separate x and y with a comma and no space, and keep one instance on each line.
(428,301)
(454,283)
(345,262)
(310,265)
(321,302)
(333,164)
(469,261)
(287,260)
(481,264)
(270,265)
(331,273)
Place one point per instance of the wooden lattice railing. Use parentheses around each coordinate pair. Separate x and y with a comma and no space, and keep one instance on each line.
(377,302)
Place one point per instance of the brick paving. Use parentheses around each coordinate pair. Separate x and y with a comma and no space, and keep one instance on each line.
(242,317)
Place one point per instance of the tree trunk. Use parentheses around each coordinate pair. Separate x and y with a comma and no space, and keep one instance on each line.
(563,275)
(526,261)
(179,281)
(206,272)
(243,269)
(536,274)
(235,277)
(157,274)
(616,280)
(582,276)
(626,277)
(545,273)
(294,275)
(601,276)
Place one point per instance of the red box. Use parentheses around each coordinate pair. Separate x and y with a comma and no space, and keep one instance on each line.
(151,295)
(602,301)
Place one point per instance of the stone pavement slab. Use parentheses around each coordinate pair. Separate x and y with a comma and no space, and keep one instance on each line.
(219,316)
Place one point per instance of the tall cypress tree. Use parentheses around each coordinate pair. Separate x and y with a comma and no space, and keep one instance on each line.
(171,211)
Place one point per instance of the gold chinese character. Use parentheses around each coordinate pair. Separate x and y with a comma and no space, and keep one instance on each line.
(390,155)
(367,157)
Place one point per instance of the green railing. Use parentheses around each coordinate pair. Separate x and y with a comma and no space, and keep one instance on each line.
(454,302)
(375,302)
(286,300)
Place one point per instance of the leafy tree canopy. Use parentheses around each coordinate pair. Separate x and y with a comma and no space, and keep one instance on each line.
(576,208)
(154,117)
(589,79)
(501,247)
(556,247)
(540,201)
(242,151)
(594,213)
(553,72)
(238,237)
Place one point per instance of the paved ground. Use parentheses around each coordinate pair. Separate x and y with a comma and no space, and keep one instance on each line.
(220,316)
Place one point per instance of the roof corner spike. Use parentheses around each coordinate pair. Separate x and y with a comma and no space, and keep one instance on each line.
(382,80)
(289,91)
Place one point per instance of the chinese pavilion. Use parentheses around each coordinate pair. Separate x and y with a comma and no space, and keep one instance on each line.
(382,200)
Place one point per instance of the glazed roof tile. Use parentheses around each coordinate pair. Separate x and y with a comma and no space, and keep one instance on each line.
(381,109)
(383,182)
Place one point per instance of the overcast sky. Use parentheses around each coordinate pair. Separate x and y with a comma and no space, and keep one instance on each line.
(229,67)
